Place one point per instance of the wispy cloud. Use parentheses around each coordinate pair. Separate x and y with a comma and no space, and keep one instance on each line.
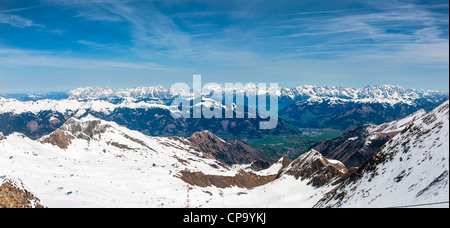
(157,34)
(25,58)
(414,34)
(97,14)
(322,12)
(17,21)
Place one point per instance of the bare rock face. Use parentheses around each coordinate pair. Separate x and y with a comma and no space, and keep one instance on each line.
(314,167)
(2,136)
(14,195)
(226,150)
(260,165)
(59,138)
(242,179)
(73,129)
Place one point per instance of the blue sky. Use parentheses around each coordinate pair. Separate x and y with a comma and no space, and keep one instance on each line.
(58,45)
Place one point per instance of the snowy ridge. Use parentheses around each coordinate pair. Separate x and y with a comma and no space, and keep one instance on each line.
(382,93)
(315,169)
(92,134)
(392,128)
(411,169)
(99,99)
(89,93)
(68,106)
(399,125)
(386,94)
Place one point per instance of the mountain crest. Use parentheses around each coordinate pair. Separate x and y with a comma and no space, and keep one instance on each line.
(410,169)
(86,129)
(316,168)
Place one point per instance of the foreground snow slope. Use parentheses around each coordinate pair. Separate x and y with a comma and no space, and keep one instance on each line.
(95,163)
(411,169)
(102,164)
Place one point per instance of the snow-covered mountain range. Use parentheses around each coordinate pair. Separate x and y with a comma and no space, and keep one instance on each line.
(71,106)
(90,162)
(38,118)
(95,147)
(341,108)
(380,93)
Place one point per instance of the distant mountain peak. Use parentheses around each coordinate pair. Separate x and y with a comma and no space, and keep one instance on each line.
(390,93)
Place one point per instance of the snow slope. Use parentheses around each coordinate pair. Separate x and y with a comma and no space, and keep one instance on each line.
(104,165)
(398,125)
(95,163)
(411,169)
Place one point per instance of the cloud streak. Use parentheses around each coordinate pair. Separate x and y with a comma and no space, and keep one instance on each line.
(322,12)
(386,34)
(17,21)
(20,58)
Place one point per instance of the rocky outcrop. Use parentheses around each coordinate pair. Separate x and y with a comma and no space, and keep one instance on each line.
(75,129)
(242,179)
(85,129)
(2,136)
(59,139)
(260,165)
(311,166)
(315,168)
(227,151)
(14,195)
